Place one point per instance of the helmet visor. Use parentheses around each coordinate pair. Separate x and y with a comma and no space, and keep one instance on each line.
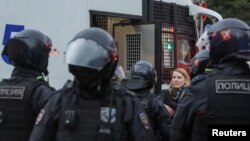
(142,69)
(137,83)
(87,53)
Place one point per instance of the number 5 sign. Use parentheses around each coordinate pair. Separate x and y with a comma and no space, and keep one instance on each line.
(9,29)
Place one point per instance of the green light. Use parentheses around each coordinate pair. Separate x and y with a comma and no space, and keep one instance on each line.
(169,46)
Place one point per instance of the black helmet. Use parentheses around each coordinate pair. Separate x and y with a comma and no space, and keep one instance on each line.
(199,62)
(92,54)
(30,49)
(229,39)
(143,75)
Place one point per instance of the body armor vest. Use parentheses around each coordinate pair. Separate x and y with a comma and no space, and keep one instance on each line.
(90,119)
(16,113)
(228,104)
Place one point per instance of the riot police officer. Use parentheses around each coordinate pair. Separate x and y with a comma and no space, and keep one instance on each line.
(143,78)
(88,109)
(25,93)
(222,98)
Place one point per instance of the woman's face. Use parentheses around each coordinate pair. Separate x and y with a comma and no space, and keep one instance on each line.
(178,80)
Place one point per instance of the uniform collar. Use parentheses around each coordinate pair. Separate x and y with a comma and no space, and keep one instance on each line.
(24,72)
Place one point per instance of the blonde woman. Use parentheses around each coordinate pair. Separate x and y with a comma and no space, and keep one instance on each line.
(170,97)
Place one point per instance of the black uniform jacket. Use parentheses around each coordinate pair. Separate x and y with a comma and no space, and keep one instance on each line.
(133,118)
(21,98)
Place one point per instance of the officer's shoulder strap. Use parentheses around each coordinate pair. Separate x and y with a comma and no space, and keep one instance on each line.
(67,88)
(121,94)
(68,96)
(35,82)
(130,93)
(198,78)
(149,96)
(68,84)
(39,80)
(124,92)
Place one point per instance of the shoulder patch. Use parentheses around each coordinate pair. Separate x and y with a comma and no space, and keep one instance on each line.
(144,120)
(40,117)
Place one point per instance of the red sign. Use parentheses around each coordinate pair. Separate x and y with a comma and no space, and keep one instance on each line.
(203,16)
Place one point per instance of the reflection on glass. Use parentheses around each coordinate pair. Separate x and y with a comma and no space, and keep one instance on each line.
(183,51)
